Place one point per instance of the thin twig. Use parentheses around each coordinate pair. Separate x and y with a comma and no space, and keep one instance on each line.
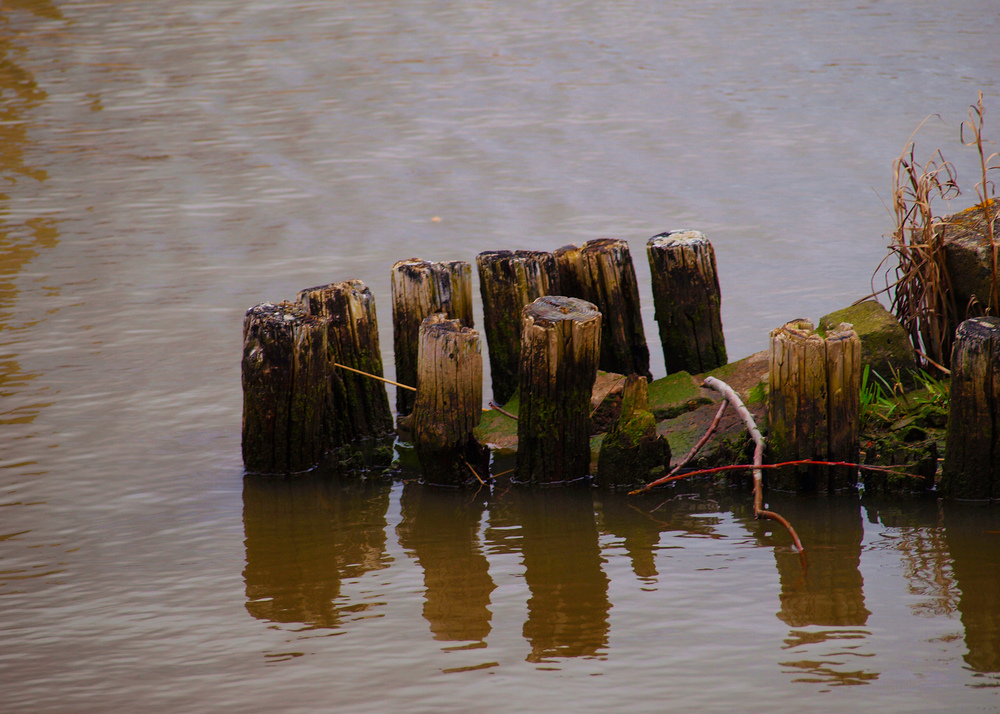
(493,405)
(607,394)
(802,462)
(944,370)
(473,471)
(375,376)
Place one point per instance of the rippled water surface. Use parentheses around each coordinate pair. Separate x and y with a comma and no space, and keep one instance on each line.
(167,165)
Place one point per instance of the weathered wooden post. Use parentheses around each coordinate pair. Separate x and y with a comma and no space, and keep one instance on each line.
(687,300)
(449,403)
(972,451)
(632,449)
(507,282)
(419,289)
(813,405)
(284,389)
(569,267)
(601,272)
(560,348)
(359,405)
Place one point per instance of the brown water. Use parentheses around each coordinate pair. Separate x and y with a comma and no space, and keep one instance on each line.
(167,165)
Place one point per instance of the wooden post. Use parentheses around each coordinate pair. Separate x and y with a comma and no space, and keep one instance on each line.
(632,449)
(284,389)
(687,300)
(602,273)
(972,449)
(449,403)
(420,289)
(359,405)
(560,348)
(507,282)
(813,405)
(569,266)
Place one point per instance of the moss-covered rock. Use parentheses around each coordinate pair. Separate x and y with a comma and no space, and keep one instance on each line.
(911,451)
(632,451)
(675,394)
(884,343)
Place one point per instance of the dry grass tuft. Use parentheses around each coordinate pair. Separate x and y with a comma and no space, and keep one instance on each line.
(922,299)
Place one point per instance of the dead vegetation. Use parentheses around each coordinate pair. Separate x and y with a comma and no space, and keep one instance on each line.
(915,270)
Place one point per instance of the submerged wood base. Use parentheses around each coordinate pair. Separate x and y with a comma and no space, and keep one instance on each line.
(449,404)
(632,452)
(813,406)
(560,348)
(284,389)
(972,452)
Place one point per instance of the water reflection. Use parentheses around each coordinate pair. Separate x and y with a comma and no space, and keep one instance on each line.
(20,240)
(304,537)
(973,538)
(568,607)
(440,528)
(824,603)
(917,534)
(639,520)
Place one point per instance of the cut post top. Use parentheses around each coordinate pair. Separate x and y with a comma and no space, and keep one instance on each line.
(556,308)
(678,238)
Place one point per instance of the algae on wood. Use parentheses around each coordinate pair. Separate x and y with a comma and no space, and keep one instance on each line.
(632,450)
(560,348)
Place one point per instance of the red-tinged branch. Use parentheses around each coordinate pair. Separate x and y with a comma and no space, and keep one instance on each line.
(701,442)
(730,396)
(782,464)
(788,526)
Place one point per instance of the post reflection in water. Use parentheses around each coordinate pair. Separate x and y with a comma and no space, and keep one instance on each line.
(440,528)
(824,603)
(976,568)
(639,521)
(304,537)
(568,607)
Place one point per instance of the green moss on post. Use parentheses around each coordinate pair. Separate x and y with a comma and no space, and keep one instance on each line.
(632,449)
(560,348)
(507,282)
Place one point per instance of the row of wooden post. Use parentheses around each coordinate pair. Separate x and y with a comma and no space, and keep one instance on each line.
(302,398)
(305,394)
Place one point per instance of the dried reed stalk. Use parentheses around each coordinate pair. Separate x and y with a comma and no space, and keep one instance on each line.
(921,294)
(985,190)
